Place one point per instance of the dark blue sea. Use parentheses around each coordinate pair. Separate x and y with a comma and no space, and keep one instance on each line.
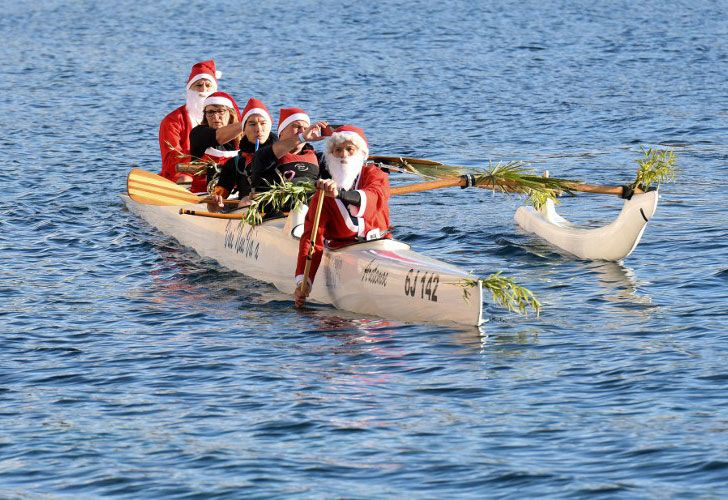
(131,367)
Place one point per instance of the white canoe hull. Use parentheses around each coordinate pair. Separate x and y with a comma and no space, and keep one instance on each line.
(611,242)
(383,278)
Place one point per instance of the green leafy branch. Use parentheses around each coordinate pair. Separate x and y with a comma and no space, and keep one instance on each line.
(504,291)
(283,195)
(657,167)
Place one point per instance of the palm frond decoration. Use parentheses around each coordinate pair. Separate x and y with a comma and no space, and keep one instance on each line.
(283,195)
(657,166)
(427,169)
(518,177)
(538,199)
(504,291)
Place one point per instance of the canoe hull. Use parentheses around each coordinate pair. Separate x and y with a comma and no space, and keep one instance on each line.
(612,242)
(383,278)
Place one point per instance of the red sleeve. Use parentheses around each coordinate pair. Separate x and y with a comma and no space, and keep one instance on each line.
(305,243)
(374,194)
(171,145)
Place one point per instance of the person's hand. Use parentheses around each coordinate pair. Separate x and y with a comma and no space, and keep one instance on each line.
(329,186)
(299,296)
(314,133)
(184,179)
(186,168)
(214,203)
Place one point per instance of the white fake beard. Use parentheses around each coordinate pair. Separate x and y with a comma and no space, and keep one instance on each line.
(344,171)
(196,105)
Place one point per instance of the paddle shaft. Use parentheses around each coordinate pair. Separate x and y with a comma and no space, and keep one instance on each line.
(212,215)
(314,234)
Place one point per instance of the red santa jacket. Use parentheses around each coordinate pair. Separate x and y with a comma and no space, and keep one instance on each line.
(339,225)
(174,138)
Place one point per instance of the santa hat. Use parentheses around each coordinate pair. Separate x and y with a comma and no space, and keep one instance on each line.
(255,107)
(204,69)
(349,133)
(222,99)
(289,115)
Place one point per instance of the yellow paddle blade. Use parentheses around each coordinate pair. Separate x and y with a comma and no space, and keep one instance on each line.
(152,189)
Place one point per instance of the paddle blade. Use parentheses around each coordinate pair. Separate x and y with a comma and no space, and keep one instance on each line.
(152,189)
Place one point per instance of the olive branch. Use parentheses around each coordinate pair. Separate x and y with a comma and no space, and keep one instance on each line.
(504,291)
(283,195)
(197,166)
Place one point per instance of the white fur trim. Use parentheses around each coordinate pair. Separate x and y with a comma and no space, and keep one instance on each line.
(200,76)
(347,135)
(362,207)
(299,280)
(358,229)
(218,75)
(293,118)
(219,101)
(256,111)
(221,153)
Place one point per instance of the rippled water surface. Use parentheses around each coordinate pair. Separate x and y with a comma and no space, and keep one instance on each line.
(132,367)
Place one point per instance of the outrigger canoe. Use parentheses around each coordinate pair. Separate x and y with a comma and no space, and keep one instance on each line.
(613,241)
(385,278)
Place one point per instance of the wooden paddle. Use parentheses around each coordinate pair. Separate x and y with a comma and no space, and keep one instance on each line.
(152,189)
(311,249)
(212,215)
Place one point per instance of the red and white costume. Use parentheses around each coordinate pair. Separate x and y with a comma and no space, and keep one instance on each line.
(174,130)
(340,224)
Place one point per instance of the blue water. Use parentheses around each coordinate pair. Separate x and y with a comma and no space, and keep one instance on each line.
(131,367)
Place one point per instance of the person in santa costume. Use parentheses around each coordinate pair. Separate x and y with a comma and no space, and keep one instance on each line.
(175,128)
(236,175)
(216,139)
(291,157)
(356,203)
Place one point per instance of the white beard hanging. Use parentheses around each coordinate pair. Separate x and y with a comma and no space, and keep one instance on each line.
(196,105)
(344,171)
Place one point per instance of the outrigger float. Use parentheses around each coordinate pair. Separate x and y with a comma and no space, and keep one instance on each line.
(385,278)
(613,241)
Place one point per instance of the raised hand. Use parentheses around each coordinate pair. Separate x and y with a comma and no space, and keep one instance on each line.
(314,132)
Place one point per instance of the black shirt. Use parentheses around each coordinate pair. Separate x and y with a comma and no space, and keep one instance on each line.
(236,171)
(203,137)
(264,168)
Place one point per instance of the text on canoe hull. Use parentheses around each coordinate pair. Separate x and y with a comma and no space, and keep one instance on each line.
(241,241)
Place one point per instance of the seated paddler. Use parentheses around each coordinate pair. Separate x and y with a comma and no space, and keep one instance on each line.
(356,203)
(215,140)
(236,174)
(290,158)
(174,131)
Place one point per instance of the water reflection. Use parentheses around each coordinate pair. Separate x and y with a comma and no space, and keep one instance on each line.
(621,286)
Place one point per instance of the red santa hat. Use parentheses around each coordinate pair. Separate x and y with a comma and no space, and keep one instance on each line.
(204,69)
(349,133)
(289,115)
(255,107)
(222,99)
